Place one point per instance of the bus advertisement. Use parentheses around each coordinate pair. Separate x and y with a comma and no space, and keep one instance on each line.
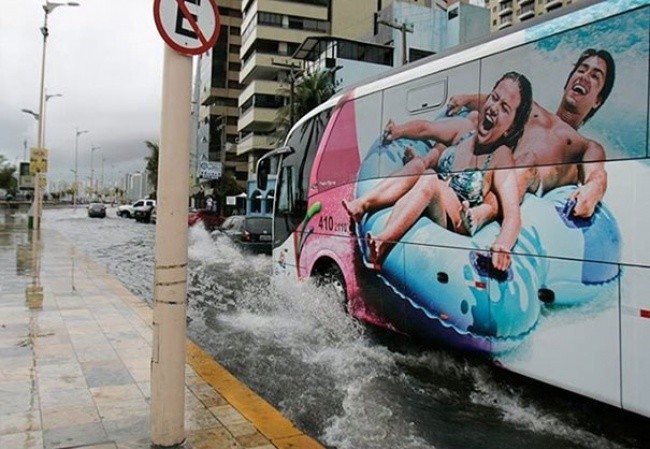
(493,199)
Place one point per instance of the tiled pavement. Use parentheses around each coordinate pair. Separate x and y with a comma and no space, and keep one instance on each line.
(75,350)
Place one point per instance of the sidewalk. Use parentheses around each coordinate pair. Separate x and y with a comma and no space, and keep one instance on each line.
(75,351)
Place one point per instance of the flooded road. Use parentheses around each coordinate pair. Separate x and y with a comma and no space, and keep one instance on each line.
(348,384)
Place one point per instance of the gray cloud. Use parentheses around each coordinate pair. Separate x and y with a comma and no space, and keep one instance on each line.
(105,58)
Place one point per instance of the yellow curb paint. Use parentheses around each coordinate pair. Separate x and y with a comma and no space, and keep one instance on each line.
(270,423)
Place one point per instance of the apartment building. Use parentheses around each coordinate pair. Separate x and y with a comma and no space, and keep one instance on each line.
(505,13)
(271,31)
(216,109)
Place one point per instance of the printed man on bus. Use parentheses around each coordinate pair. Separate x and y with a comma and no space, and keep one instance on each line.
(551,151)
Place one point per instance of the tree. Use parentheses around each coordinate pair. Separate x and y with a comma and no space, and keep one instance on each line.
(7,179)
(310,90)
(152,164)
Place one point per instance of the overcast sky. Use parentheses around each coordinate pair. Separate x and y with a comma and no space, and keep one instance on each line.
(105,58)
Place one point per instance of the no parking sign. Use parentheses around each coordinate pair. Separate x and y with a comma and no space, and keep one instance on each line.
(190,27)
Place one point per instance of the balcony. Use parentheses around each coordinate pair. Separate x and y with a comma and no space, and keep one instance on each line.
(260,65)
(524,2)
(526,13)
(256,142)
(505,22)
(256,117)
(261,87)
(505,9)
(552,4)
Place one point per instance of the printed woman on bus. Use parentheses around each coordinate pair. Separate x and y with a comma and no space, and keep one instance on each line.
(464,171)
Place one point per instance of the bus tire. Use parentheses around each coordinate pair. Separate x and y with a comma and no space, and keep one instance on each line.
(329,274)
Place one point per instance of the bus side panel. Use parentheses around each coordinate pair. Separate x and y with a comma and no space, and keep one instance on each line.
(635,335)
(426,99)
(576,348)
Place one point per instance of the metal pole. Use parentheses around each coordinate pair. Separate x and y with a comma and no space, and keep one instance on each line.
(170,270)
(222,159)
(404,58)
(76,166)
(92,172)
(101,178)
(41,105)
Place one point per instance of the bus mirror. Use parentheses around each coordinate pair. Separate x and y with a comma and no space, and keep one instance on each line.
(263,169)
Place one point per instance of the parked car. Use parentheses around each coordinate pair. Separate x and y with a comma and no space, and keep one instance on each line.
(125,210)
(97,210)
(154,215)
(142,210)
(252,233)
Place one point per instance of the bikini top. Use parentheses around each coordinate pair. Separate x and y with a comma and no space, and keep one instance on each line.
(468,184)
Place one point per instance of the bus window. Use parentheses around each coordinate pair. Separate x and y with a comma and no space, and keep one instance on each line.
(429,96)
(286,188)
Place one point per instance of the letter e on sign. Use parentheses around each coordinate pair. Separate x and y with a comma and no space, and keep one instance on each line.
(190,27)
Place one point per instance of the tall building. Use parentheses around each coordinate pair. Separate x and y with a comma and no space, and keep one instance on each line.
(505,13)
(137,186)
(369,37)
(272,31)
(219,90)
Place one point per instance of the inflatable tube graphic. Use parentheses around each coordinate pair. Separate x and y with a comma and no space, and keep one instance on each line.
(450,291)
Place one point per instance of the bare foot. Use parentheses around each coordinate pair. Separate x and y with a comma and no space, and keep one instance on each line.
(352,209)
(469,221)
(374,248)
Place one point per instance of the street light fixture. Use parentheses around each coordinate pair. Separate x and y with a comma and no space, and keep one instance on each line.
(32,113)
(76,168)
(48,7)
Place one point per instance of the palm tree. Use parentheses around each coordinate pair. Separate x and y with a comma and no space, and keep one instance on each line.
(152,163)
(310,90)
(7,180)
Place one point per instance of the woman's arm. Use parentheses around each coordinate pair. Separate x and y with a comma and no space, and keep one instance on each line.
(446,131)
(504,185)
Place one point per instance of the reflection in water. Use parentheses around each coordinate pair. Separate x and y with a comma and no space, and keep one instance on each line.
(34,291)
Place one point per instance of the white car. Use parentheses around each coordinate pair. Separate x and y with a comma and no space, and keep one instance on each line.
(125,210)
(142,210)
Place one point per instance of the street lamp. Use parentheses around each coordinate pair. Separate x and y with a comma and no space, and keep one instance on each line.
(48,7)
(92,170)
(76,168)
(32,113)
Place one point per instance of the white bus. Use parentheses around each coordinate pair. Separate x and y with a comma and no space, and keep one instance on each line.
(493,199)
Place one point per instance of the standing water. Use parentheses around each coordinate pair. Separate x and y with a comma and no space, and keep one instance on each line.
(348,384)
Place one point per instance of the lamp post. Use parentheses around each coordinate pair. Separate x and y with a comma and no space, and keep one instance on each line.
(48,7)
(47,98)
(76,167)
(101,178)
(92,171)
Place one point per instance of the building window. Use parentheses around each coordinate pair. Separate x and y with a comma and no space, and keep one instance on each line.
(453,13)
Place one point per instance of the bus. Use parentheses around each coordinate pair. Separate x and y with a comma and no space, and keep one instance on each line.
(492,199)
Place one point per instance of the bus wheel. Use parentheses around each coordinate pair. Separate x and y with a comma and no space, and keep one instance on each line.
(332,276)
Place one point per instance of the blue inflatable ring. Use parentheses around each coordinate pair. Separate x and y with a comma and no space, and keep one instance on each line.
(444,284)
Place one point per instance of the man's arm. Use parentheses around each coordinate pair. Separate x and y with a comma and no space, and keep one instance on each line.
(594,180)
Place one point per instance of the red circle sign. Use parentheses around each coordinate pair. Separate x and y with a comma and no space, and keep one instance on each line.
(190,27)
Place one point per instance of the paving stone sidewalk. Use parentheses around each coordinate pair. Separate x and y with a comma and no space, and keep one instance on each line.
(75,351)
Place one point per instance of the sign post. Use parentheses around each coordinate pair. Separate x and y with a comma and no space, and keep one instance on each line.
(188,27)
(37,168)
